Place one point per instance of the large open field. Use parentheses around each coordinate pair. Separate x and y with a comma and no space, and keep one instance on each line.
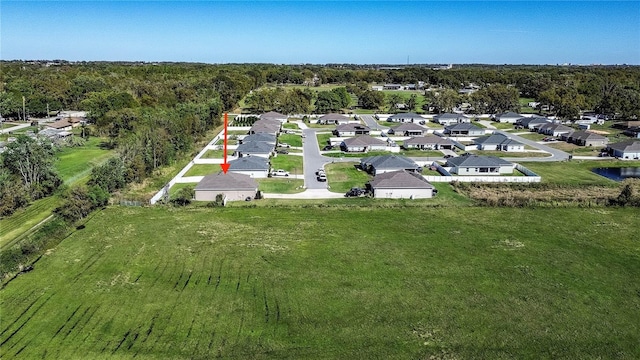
(391,279)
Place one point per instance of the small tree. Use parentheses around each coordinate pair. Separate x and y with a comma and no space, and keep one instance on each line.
(183,196)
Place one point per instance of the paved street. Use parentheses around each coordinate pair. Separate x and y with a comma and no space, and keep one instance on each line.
(371,122)
(556,155)
(313,160)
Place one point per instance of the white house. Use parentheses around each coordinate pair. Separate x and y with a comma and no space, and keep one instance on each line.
(363,143)
(628,149)
(479,165)
(254,166)
(449,118)
(232,186)
(508,117)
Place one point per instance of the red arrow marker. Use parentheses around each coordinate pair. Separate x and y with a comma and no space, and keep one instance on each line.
(225,165)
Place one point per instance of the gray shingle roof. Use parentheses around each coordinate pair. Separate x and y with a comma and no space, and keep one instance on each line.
(509,114)
(450,116)
(333,116)
(476,161)
(462,127)
(227,182)
(429,139)
(408,127)
(272,115)
(382,162)
(248,163)
(533,120)
(260,137)
(255,147)
(363,140)
(493,139)
(627,145)
(399,180)
(585,135)
(352,127)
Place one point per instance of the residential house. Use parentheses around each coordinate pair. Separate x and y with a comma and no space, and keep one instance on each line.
(232,186)
(351,129)
(400,185)
(449,118)
(407,129)
(63,124)
(429,142)
(498,142)
(385,163)
(266,126)
(272,115)
(363,143)
(585,138)
(463,130)
(531,122)
(333,119)
(254,166)
(628,149)
(554,129)
(479,165)
(377,87)
(508,117)
(255,148)
(406,117)
(259,137)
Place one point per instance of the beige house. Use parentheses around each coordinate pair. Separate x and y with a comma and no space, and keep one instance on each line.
(233,187)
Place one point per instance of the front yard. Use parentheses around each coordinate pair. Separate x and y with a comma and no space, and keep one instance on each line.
(280,185)
(290,163)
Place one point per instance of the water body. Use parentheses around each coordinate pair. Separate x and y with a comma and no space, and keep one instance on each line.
(618,174)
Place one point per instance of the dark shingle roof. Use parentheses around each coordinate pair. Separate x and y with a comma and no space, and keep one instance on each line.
(399,180)
(248,163)
(333,116)
(227,182)
(352,127)
(255,147)
(585,135)
(509,114)
(363,140)
(408,127)
(450,116)
(272,115)
(260,137)
(429,139)
(462,127)
(524,121)
(476,161)
(627,145)
(381,162)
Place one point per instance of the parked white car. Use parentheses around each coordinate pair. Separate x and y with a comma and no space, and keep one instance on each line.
(284,145)
(279,172)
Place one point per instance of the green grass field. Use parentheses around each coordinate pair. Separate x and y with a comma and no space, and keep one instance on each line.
(303,282)
(280,185)
(344,176)
(323,140)
(23,220)
(576,172)
(76,163)
(291,139)
(291,163)
(203,169)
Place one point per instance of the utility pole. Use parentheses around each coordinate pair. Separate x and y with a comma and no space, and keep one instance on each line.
(24,109)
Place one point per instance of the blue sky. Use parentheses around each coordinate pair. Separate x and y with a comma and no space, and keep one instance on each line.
(507,32)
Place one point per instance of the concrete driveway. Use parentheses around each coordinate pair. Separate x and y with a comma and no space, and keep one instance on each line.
(556,155)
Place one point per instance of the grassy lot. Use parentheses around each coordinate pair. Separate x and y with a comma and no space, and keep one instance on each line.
(281,185)
(314,125)
(291,163)
(534,136)
(575,149)
(393,281)
(202,170)
(290,126)
(20,222)
(74,166)
(323,140)
(75,163)
(217,154)
(344,176)
(499,125)
(291,139)
(421,153)
(575,172)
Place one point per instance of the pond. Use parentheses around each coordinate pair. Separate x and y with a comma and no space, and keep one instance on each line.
(618,174)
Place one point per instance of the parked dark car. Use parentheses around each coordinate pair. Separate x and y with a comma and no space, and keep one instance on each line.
(282,151)
(327,148)
(448,156)
(355,192)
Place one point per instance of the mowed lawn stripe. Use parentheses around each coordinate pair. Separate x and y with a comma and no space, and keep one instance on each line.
(335,282)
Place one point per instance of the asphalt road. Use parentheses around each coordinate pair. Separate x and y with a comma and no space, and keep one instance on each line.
(313,160)
(371,122)
(556,155)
